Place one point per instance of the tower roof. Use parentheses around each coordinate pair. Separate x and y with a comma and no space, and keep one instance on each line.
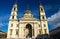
(15,4)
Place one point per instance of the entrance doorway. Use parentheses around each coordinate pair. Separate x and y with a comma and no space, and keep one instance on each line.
(29,27)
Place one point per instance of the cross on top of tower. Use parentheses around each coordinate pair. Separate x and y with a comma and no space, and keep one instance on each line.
(16,2)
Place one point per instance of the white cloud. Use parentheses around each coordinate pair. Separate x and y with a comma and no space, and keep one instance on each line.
(1,24)
(54,20)
(4,20)
(5,17)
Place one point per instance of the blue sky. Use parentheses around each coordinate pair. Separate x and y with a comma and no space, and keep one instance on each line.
(52,10)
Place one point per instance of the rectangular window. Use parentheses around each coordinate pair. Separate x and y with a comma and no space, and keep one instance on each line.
(17,32)
(45,31)
(44,25)
(10,31)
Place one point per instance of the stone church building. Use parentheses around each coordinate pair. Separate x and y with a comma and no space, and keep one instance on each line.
(27,26)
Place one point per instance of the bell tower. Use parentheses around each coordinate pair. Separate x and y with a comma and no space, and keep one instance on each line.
(43,23)
(42,13)
(13,23)
(14,12)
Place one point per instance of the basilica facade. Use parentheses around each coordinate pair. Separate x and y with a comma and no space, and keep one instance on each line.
(27,26)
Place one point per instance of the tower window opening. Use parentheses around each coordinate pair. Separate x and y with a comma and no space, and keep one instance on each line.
(41,9)
(12,17)
(42,17)
(14,9)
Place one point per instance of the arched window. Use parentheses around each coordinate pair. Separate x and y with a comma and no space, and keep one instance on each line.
(41,9)
(43,17)
(14,9)
(12,17)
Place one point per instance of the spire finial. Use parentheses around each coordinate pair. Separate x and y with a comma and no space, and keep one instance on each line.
(16,1)
(27,7)
(41,4)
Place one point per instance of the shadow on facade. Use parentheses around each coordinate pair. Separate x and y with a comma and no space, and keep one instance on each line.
(55,33)
(43,36)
